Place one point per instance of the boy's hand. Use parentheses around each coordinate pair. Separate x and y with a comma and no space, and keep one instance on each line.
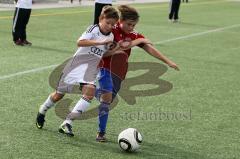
(173,65)
(110,46)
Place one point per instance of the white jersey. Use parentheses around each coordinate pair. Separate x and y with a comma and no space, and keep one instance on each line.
(26,4)
(83,66)
(104,1)
(93,33)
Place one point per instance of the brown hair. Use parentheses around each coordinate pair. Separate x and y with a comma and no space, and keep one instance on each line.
(109,12)
(128,13)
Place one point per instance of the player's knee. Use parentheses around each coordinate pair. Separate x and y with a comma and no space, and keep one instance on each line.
(89,95)
(56,97)
(88,92)
(106,97)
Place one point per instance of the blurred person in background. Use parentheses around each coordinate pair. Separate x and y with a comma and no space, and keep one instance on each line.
(20,20)
(99,4)
(78,0)
(174,9)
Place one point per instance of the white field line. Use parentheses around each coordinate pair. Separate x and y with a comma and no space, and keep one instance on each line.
(26,72)
(235,48)
(198,34)
(158,42)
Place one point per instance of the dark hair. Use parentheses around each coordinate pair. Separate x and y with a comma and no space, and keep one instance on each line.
(128,13)
(109,12)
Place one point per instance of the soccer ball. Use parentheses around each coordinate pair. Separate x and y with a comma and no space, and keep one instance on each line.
(129,140)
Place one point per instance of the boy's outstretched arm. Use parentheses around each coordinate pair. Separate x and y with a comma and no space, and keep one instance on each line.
(150,49)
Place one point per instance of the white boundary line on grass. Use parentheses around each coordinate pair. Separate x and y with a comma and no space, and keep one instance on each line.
(158,42)
(26,72)
(198,34)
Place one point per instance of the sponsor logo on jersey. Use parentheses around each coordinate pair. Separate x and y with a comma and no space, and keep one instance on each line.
(96,51)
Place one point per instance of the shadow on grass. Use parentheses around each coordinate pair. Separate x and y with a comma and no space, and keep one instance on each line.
(148,150)
(86,143)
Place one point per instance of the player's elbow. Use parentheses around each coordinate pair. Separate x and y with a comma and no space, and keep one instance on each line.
(78,43)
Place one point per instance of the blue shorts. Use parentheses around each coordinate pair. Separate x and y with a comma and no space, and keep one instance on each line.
(105,80)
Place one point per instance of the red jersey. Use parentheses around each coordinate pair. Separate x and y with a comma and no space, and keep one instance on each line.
(118,64)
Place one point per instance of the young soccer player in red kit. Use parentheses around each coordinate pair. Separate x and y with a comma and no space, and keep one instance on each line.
(114,68)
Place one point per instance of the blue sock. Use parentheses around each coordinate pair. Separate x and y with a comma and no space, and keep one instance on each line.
(103,116)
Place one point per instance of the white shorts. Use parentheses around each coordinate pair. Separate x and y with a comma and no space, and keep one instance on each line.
(77,72)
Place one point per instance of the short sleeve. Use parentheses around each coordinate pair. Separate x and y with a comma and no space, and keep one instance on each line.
(88,34)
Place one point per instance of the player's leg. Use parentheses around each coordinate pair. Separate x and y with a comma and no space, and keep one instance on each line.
(27,13)
(109,85)
(177,6)
(105,93)
(175,14)
(88,91)
(14,25)
(49,103)
(171,10)
(103,112)
(16,29)
(117,81)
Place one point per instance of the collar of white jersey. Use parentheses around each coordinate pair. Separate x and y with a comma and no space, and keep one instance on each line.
(106,34)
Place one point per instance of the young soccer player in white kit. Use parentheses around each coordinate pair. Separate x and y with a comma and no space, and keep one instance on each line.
(82,68)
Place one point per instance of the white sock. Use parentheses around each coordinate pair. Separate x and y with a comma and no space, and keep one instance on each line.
(79,108)
(46,105)
(69,121)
